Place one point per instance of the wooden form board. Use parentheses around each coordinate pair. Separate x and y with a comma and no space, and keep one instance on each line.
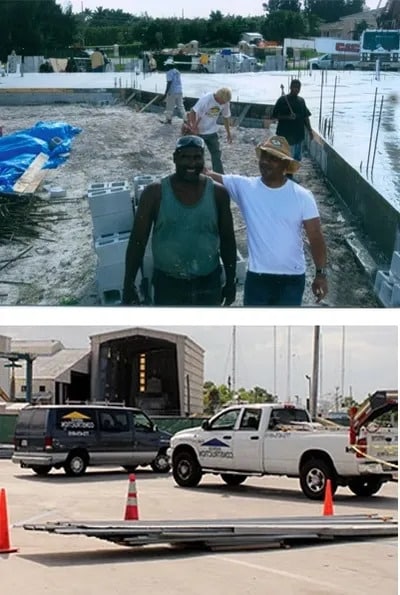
(31,178)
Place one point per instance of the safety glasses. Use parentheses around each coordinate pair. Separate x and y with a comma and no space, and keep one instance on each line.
(189,141)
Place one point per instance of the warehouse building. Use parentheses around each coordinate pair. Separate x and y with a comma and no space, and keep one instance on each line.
(161,372)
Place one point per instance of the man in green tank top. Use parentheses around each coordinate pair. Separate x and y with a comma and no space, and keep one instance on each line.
(192,228)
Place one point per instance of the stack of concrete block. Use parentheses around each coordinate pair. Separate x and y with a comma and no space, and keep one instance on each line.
(112,213)
(387,283)
(140,182)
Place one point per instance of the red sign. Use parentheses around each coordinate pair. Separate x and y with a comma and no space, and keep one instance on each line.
(347,47)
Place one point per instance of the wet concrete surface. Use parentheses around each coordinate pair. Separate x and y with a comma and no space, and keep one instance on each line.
(350,107)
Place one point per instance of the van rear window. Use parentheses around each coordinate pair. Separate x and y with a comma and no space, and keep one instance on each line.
(32,419)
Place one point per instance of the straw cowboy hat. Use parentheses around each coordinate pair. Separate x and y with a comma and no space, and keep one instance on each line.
(279,147)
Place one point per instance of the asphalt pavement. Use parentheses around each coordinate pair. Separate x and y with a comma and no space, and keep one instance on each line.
(65,564)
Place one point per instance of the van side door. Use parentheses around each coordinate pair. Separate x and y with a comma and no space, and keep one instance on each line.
(115,438)
(146,439)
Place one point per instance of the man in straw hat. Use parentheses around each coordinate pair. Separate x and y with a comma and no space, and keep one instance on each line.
(275,210)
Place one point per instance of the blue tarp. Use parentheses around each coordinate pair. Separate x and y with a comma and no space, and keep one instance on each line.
(18,150)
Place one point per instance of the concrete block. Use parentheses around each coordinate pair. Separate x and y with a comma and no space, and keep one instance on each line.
(380,277)
(57,192)
(110,297)
(395,301)
(111,248)
(385,290)
(112,223)
(111,200)
(395,265)
(110,276)
(122,184)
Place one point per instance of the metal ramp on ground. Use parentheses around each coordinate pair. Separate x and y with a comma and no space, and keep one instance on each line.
(228,533)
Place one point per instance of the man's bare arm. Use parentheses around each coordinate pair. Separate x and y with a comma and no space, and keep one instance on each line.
(145,215)
(227,243)
(318,253)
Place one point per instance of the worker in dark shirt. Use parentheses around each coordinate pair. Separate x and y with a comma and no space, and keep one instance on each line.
(192,228)
(293,118)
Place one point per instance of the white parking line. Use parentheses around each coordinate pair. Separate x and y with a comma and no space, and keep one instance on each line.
(297,577)
(34,518)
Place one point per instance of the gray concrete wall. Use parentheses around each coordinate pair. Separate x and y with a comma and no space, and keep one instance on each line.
(377,219)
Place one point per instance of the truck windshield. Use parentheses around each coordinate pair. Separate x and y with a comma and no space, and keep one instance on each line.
(375,40)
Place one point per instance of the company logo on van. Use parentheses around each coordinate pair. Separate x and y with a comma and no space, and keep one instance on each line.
(76,423)
(75,415)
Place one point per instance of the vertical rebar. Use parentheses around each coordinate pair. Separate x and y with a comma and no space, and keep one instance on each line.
(320,100)
(377,133)
(372,128)
(333,105)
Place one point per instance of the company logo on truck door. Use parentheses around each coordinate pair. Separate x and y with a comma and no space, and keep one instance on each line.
(215,448)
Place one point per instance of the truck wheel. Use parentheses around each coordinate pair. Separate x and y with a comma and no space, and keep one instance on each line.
(365,487)
(233,480)
(313,476)
(130,468)
(75,465)
(186,470)
(161,463)
(41,469)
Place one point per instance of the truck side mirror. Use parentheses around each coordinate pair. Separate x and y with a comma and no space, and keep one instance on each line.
(205,425)
(155,428)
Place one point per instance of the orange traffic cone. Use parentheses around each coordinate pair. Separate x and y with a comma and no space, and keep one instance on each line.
(132,510)
(328,501)
(4,530)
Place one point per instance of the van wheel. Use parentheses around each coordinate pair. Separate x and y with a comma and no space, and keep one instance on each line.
(41,469)
(161,463)
(233,480)
(76,465)
(365,487)
(186,469)
(313,476)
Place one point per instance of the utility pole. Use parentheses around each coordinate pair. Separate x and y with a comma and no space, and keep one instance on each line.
(275,361)
(234,359)
(315,373)
(289,356)
(343,362)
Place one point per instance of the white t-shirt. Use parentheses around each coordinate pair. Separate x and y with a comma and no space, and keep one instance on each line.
(274,220)
(207,111)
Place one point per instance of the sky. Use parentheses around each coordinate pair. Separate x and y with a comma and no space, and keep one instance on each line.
(361,359)
(179,8)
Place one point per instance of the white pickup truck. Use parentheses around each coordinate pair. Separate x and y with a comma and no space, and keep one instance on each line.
(278,439)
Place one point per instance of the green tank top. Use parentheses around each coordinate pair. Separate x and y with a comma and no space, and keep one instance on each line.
(185,240)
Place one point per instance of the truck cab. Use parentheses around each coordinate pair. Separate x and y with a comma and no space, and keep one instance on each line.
(333,61)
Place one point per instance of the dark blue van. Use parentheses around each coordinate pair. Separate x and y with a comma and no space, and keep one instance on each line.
(74,437)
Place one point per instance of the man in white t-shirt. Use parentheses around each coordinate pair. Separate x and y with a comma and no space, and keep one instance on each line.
(202,120)
(275,210)
(173,92)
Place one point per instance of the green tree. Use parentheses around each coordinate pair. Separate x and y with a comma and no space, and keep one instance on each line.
(38,28)
(274,5)
(283,24)
(330,11)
